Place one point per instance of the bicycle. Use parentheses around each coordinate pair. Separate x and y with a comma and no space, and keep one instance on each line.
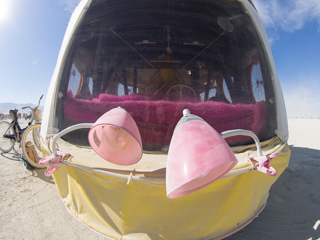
(28,138)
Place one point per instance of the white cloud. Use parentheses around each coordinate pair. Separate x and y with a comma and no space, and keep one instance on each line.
(302,100)
(34,62)
(288,15)
(301,91)
(69,5)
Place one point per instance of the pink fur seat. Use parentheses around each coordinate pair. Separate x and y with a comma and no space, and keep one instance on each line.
(157,119)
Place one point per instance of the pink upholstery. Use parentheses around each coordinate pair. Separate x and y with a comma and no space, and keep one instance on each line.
(157,119)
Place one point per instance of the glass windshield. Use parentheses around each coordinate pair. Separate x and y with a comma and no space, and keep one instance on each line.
(156,58)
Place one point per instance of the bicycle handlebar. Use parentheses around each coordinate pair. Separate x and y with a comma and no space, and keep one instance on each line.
(35,108)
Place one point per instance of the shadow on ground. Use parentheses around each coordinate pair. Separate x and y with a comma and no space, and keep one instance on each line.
(35,172)
(11,156)
(293,207)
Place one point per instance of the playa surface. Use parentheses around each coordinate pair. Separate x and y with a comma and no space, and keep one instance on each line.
(31,207)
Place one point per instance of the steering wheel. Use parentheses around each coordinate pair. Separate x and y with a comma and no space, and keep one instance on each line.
(180,91)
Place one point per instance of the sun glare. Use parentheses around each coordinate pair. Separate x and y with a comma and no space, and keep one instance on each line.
(4,10)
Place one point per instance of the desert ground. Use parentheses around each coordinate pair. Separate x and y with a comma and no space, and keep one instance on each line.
(31,207)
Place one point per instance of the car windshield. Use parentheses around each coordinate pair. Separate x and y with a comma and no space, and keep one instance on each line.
(156,58)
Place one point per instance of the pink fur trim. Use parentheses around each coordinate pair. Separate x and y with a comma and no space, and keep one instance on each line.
(157,119)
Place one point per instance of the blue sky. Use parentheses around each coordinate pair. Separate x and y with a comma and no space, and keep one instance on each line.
(31,33)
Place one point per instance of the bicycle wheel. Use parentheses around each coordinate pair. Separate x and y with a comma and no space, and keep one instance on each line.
(31,145)
(6,144)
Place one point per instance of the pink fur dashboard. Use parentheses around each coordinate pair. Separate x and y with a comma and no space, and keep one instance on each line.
(157,119)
